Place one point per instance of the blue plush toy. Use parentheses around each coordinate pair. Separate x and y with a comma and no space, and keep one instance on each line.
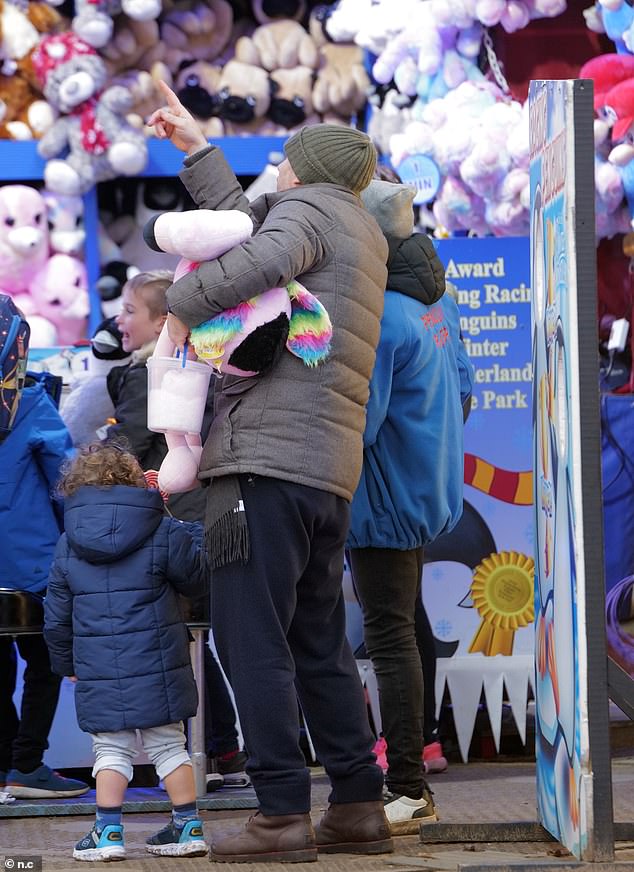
(621,101)
(618,18)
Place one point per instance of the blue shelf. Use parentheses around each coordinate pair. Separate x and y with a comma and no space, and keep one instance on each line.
(248,155)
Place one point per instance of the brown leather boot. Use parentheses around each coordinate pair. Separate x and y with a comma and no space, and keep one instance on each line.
(282,838)
(354,828)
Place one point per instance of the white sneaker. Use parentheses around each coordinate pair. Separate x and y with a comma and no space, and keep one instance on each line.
(406,814)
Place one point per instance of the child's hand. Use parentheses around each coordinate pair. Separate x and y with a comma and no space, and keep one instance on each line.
(174,122)
(72,678)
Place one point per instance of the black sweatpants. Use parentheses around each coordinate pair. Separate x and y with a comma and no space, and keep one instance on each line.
(279,626)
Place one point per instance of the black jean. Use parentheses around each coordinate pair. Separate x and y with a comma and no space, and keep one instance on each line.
(221,735)
(279,624)
(427,650)
(388,584)
(24,739)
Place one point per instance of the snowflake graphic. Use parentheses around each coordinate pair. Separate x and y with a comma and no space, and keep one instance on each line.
(443,629)
(437,574)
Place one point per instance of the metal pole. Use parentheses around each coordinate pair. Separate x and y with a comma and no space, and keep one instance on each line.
(197,723)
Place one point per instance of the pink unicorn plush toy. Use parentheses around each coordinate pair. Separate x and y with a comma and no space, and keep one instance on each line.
(246,340)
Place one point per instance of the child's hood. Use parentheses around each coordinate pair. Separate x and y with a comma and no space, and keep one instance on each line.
(33,395)
(390,204)
(106,524)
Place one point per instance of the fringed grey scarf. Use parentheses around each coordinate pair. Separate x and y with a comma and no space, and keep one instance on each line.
(226,530)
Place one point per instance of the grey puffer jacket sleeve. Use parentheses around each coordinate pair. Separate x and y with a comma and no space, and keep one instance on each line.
(217,187)
(289,243)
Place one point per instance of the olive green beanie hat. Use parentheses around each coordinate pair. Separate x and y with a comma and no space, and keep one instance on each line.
(332,153)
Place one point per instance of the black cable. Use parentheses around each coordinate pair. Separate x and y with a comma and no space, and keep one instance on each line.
(611,356)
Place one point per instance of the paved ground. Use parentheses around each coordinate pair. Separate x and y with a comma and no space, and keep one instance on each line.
(474,793)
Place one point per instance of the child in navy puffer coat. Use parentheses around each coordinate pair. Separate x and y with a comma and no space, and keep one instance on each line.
(113,624)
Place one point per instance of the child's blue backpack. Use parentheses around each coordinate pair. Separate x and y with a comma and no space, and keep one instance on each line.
(14,347)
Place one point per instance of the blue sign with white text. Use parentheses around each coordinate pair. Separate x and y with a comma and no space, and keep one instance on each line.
(490,278)
(421,173)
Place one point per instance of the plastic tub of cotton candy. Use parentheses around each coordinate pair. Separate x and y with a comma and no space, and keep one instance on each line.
(177,393)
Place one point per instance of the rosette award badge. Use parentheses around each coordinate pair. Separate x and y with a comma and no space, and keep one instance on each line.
(502,592)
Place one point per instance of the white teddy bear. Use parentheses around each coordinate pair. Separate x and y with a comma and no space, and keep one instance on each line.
(93,20)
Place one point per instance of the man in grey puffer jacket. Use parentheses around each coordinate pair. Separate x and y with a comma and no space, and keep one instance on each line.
(284,456)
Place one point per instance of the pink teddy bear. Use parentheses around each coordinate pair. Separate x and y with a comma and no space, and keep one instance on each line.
(57,304)
(24,237)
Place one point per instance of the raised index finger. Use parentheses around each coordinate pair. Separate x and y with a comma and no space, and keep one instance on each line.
(172,100)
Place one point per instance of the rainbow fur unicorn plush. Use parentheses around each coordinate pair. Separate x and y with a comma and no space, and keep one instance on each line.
(246,340)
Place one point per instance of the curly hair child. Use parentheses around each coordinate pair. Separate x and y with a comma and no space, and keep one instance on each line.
(113,624)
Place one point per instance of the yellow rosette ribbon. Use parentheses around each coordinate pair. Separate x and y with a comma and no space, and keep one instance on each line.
(502,592)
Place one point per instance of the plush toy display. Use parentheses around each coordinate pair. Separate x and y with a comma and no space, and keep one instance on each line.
(291,105)
(424,48)
(24,239)
(426,52)
(93,21)
(66,223)
(135,45)
(58,293)
(24,248)
(243,341)
(266,11)
(617,18)
(134,204)
(377,25)
(284,44)
(368,23)
(476,138)
(268,67)
(606,71)
(22,25)
(102,144)
(245,98)
(197,86)
(88,406)
(195,30)
(389,115)
(112,277)
(145,93)
(621,101)
(24,114)
(342,84)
